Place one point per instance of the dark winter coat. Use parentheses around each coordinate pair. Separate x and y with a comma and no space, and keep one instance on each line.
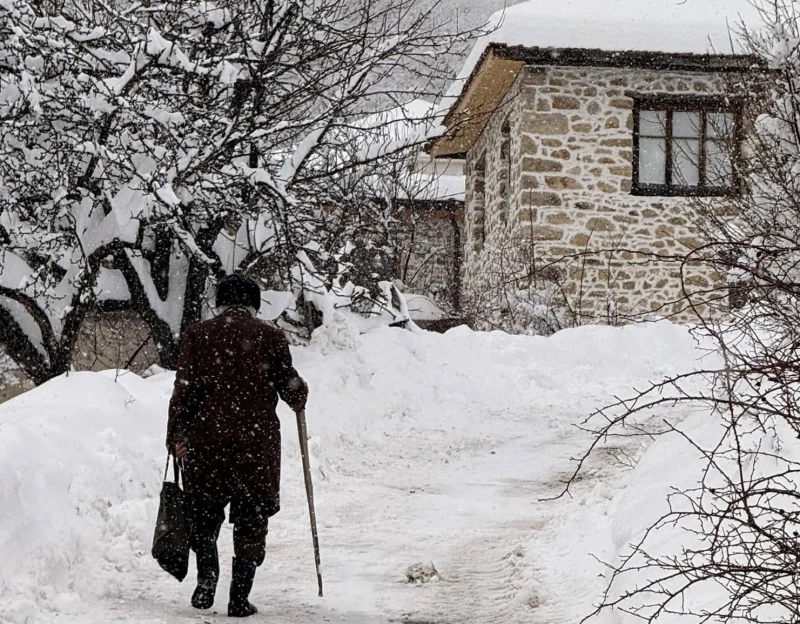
(231,371)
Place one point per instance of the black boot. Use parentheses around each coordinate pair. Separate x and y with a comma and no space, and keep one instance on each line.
(207,576)
(244,571)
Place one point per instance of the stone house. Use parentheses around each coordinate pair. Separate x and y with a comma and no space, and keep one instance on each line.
(582,169)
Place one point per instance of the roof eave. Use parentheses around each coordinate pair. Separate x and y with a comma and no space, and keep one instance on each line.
(634,59)
(465,122)
(482,94)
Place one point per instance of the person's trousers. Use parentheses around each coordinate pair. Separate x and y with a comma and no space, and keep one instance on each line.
(249,519)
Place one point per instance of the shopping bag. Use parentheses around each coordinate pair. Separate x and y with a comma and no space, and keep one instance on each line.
(171,538)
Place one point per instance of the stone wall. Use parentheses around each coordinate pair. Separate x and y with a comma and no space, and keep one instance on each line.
(114,339)
(429,252)
(12,381)
(108,340)
(572,214)
(13,388)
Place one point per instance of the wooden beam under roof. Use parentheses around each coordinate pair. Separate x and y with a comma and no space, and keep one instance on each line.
(482,95)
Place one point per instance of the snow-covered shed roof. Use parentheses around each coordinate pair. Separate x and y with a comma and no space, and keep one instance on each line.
(422,308)
(658,34)
(410,124)
(435,180)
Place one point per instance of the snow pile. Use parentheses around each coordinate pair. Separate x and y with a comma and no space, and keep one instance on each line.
(677,463)
(420,441)
(672,464)
(429,376)
(79,463)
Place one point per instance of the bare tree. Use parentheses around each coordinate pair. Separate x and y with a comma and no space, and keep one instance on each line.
(738,555)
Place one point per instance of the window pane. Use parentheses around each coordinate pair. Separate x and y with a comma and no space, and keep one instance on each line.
(686,162)
(652,161)
(505,148)
(719,166)
(686,125)
(653,123)
(719,125)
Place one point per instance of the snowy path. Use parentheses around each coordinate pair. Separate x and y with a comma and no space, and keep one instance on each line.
(425,449)
(517,559)
(491,539)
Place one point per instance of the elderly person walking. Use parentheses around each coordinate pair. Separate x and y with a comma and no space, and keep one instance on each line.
(223,424)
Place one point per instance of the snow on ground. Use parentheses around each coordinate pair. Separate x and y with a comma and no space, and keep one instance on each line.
(425,447)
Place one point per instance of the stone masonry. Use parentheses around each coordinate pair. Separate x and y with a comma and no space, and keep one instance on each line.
(569,172)
(108,340)
(429,250)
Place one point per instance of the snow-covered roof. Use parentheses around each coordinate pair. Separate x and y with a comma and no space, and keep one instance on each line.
(636,27)
(433,188)
(669,26)
(439,187)
(408,125)
(437,180)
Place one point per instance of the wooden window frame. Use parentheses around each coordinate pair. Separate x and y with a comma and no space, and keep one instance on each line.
(686,104)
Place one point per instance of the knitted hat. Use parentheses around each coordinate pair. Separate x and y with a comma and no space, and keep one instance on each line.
(240,290)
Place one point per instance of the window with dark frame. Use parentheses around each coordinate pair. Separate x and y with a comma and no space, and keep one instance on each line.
(685,146)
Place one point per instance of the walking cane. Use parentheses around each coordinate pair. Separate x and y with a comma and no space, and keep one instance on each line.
(302,433)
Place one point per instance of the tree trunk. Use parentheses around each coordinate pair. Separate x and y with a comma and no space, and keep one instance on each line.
(19,347)
(199,273)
